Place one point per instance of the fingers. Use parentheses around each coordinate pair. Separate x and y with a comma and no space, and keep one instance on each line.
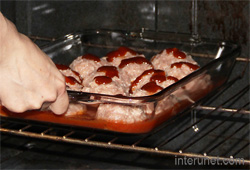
(61,104)
(18,104)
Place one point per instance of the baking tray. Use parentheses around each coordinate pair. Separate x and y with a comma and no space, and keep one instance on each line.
(216,59)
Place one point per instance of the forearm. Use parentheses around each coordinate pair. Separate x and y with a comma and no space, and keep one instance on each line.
(3,26)
(8,35)
(3,31)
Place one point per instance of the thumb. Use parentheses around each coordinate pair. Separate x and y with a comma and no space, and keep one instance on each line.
(61,104)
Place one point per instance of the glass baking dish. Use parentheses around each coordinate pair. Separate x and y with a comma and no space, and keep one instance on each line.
(216,59)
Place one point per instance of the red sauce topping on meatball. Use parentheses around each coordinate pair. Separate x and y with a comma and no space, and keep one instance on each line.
(91,57)
(176,53)
(71,80)
(110,71)
(158,75)
(137,60)
(119,53)
(190,65)
(138,79)
(172,78)
(151,87)
(64,67)
(102,80)
(77,74)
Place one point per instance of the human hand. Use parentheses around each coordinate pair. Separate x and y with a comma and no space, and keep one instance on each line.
(28,77)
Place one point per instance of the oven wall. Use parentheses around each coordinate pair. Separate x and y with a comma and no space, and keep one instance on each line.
(228,20)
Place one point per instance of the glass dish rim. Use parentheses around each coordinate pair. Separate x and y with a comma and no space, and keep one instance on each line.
(85,97)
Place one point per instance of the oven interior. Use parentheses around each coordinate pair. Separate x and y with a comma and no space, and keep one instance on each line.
(216,127)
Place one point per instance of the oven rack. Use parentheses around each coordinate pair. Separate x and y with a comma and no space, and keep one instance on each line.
(203,131)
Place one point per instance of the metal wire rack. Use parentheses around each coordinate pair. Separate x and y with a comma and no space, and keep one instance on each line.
(204,131)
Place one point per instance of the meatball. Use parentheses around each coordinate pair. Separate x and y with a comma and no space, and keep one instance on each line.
(174,62)
(104,85)
(121,113)
(168,104)
(147,89)
(181,69)
(104,80)
(66,71)
(150,82)
(86,64)
(76,109)
(72,84)
(131,68)
(72,78)
(115,57)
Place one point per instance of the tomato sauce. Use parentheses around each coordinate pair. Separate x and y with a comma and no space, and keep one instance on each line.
(176,53)
(120,52)
(110,71)
(91,57)
(190,65)
(88,120)
(102,80)
(71,80)
(172,78)
(64,67)
(157,76)
(151,87)
(137,60)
